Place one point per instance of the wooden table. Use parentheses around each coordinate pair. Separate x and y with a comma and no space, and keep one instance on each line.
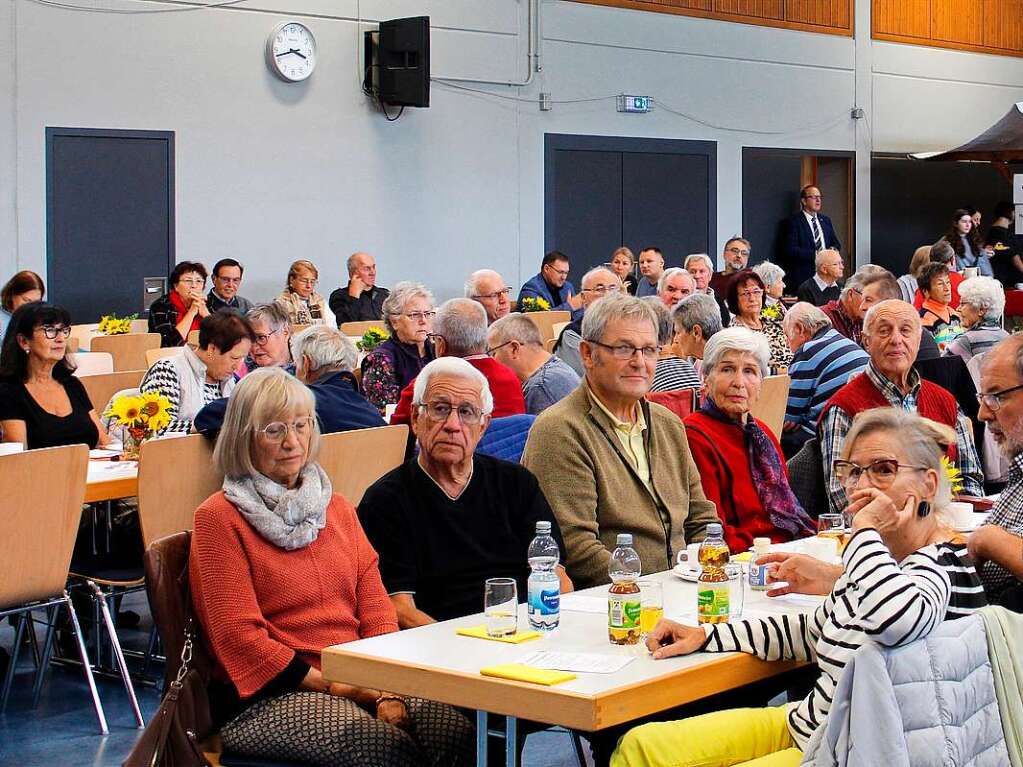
(109,480)
(433,662)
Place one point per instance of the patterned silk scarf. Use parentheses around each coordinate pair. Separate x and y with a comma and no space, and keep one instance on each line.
(768,476)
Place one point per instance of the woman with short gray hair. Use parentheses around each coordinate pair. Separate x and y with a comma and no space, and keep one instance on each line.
(672,372)
(697,318)
(774,283)
(259,551)
(391,366)
(739,458)
(981,304)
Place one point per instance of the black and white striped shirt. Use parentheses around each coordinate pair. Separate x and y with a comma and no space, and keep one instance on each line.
(674,373)
(163,377)
(875,598)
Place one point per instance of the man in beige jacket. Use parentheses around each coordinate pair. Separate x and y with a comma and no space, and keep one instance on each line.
(608,461)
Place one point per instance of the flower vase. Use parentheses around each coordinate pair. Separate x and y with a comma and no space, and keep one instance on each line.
(134,436)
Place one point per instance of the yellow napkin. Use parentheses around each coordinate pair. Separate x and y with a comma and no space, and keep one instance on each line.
(745,556)
(521,673)
(480,632)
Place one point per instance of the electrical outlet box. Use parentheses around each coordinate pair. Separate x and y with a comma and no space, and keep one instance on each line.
(634,104)
(857,113)
(545,102)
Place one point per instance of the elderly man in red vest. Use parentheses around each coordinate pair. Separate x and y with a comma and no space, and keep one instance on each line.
(891,336)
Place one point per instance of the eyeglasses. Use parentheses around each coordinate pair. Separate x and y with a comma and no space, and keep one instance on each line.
(602,290)
(738,251)
(441,411)
(812,197)
(559,272)
(993,400)
(491,350)
(628,351)
(193,281)
(51,331)
(262,338)
(309,281)
(493,296)
(229,280)
(417,316)
(881,473)
(277,431)
(753,293)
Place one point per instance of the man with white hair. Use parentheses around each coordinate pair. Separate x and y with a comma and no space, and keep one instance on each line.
(460,330)
(596,283)
(489,288)
(824,285)
(701,267)
(324,361)
(891,336)
(823,361)
(360,299)
(610,462)
(515,342)
(448,519)
(674,285)
(997,547)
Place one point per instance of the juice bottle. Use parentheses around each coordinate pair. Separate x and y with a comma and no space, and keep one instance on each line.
(758,573)
(712,585)
(624,604)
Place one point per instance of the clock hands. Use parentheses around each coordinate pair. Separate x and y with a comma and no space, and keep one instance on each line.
(291,50)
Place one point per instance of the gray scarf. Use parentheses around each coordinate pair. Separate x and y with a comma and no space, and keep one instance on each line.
(289,518)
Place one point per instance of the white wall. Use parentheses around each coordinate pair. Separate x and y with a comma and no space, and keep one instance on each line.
(269,172)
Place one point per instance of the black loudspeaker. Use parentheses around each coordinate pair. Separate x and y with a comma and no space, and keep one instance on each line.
(403,62)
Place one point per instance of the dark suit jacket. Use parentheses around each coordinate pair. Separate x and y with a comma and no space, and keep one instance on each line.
(799,249)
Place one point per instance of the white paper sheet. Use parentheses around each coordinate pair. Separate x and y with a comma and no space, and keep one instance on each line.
(585,662)
(581,604)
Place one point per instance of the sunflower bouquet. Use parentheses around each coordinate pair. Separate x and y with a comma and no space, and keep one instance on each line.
(112,325)
(954,475)
(771,312)
(371,339)
(534,304)
(141,417)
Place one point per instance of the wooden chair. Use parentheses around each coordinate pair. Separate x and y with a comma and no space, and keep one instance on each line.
(681,402)
(770,408)
(74,344)
(140,326)
(356,329)
(152,355)
(557,327)
(546,320)
(193,339)
(176,475)
(354,460)
(84,333)
(38,525)
(103,386)
(550,343)
(93,363)
(296,329)
(128,350)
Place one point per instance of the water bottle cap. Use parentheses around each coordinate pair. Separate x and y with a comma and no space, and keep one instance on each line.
(624,539)
(761,543)
(543,527)
(714,528)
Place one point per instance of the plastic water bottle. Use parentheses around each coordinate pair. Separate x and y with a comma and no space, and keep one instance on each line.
(624,599)
(712,597)
(544,602)
(758,573)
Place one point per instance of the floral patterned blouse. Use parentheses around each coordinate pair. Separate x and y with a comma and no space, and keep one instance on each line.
(781,352)
(382,381)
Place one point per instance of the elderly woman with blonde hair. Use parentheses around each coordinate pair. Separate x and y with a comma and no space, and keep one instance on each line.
(260,550)
(903,574)
(304,305)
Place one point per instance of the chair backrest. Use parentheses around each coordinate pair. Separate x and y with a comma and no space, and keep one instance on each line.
(354,460)
(128,349)
(806,478)
(140,326)
(545,321)
(84,333)
(93,363)
(193,339)
(557,327)
(506,437)
(550,343)
(358,328)
(770,408)
(681,402)
(41,496)
(176,474)
(152,355)
(103,386)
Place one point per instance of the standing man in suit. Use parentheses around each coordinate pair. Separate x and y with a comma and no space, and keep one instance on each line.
(809,231)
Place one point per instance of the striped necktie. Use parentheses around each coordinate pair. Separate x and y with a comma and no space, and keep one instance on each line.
(818,238)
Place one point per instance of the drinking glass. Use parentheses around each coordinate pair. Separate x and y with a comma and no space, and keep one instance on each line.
(501,606)
(651,606)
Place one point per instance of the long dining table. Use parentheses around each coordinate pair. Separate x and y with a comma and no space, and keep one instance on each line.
(109,480)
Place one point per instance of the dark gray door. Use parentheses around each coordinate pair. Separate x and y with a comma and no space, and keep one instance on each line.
(770,194)
(603,192)
(109,217)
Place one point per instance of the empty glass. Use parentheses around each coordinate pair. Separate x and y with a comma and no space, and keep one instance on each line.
(736,589)
(501,606)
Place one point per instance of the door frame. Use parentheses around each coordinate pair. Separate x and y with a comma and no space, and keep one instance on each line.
(626,144)
(56,132)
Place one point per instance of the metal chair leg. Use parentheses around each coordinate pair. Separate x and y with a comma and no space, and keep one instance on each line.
(84,655)
(115,646)
(19,635)
(577,746)
(153,637)
(47,650)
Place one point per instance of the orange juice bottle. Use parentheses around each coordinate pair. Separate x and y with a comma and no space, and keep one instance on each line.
(624,601)
(712,586)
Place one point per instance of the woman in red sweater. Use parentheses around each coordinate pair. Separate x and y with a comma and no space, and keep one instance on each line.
(280,568)
(739,459)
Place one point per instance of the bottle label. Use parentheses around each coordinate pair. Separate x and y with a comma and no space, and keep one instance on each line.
(623,612)
(545,602)
(712,600)
(758,577)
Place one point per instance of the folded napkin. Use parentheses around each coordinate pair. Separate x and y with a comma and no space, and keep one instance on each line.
(480,632)
(521,673)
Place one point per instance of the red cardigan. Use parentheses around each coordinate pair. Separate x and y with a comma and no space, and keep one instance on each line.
(719,451)
(260,605)
(504,385)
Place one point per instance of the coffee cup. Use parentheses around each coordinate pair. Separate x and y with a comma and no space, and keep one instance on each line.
(960,514)
(690,557)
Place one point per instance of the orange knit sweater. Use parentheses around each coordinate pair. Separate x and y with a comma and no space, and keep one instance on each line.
(260,605)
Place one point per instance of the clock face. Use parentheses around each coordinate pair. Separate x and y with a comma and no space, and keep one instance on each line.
(291,52)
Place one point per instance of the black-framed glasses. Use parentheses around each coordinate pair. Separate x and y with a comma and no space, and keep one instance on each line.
(495,295)
(492,349)
(441,411)
(628,351)
(738,251)
(51,331)
(992,400)
(262,338)
(881,473)
(277,431)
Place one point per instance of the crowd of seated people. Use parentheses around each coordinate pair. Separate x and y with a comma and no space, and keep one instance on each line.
(600,459)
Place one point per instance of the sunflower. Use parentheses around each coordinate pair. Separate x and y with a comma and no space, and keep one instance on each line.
(155,410)
(954,475)
(126,410)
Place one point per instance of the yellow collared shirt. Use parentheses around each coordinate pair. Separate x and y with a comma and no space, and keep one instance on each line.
(630,435)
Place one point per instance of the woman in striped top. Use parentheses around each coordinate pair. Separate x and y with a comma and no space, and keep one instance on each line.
(903,575)
(981,303)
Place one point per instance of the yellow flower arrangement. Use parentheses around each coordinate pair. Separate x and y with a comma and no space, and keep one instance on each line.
(371,339)
(954,475)
(534,304)
(771,312)
(112,325)
(141,416)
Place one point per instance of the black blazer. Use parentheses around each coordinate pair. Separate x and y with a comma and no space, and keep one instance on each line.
(799,249)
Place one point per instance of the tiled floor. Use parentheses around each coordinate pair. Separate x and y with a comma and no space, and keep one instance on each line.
(63,731)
